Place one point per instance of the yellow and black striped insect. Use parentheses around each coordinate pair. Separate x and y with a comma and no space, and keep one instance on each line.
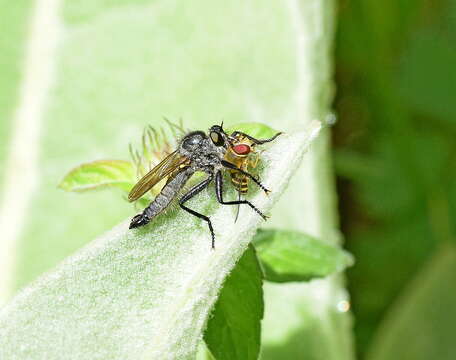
(242,153)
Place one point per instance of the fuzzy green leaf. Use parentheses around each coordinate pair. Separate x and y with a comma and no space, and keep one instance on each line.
(145,293)
(294,256)
(234,330)
(100,174)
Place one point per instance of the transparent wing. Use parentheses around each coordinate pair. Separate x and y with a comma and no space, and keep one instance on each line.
(170,163)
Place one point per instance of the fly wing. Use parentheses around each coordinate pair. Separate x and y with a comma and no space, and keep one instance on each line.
(170,163)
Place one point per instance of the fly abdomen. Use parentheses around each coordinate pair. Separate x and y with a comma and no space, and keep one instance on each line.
(240,182)
(163,199)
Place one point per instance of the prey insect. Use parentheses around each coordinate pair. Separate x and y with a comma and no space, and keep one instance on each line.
(196,151)
(242,153)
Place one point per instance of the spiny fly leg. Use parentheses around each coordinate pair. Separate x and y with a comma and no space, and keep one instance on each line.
(253,178)
(256,141)
(219,193)
(191,193)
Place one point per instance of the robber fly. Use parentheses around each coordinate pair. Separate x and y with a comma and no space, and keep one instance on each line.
(243,154)
(196,151)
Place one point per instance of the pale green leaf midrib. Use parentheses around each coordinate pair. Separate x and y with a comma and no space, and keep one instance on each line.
(21,169)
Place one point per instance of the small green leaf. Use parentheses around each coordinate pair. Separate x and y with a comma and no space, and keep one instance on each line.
(294,256)
(100,174)
(234,330)
(257,130)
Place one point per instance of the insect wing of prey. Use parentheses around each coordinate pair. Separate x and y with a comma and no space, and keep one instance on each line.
(170,163)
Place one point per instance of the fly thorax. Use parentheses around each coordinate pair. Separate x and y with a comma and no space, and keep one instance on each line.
(193,143)
(210,159)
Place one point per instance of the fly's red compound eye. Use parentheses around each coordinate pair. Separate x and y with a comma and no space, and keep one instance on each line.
(241,149)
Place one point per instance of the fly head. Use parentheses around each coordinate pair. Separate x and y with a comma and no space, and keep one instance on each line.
(218,136)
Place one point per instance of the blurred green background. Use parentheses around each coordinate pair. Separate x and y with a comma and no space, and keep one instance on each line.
(394,148)
(393,144)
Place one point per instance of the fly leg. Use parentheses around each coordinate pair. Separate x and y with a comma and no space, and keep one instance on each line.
(219,193)
(238,207)
(191,193)
(254,179)
(256,141)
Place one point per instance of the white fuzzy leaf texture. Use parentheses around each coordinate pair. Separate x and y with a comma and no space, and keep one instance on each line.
(143,293)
